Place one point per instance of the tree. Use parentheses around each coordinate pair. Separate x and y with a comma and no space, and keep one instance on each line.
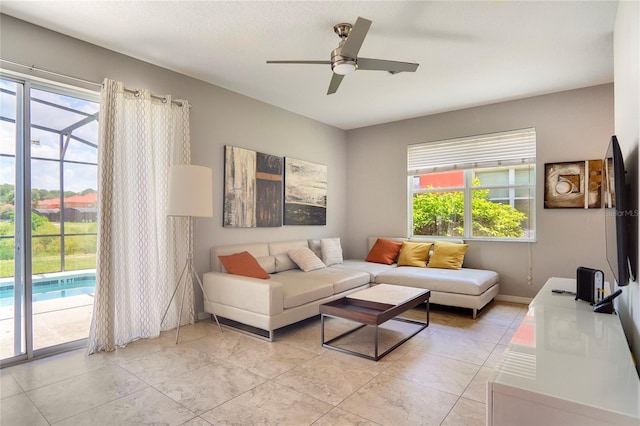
(438,213)
(491,219)
(442,214)
(38,222)
(6,213)
(7,193)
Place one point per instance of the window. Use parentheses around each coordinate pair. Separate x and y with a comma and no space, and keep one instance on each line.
(480,187)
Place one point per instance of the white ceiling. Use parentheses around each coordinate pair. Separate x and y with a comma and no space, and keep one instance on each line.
(470,53)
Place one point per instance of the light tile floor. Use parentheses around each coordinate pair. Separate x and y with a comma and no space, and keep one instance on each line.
(436,378)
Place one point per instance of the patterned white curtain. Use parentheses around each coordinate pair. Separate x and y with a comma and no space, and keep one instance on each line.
(141,251)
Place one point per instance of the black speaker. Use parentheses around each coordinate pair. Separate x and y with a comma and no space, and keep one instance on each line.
(588,281)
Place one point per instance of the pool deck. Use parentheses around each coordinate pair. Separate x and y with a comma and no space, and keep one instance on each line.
(55,321)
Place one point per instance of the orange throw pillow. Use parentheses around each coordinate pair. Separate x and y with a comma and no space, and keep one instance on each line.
(243,264)
(384,251)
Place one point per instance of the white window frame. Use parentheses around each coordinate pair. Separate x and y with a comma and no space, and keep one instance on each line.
(504,150)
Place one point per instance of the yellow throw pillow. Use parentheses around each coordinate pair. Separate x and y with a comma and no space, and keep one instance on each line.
(447,255)
(414,254)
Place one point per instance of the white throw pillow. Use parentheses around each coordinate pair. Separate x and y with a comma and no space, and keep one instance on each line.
(305,259)
(331,251)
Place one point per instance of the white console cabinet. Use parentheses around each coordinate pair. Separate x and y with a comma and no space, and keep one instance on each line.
(565,365)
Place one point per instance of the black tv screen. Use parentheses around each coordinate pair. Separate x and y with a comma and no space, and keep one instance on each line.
(617,214)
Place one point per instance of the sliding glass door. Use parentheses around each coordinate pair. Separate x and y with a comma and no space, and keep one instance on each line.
(48,150)
(12,306)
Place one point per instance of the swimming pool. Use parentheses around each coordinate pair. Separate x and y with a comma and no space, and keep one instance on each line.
(53,286)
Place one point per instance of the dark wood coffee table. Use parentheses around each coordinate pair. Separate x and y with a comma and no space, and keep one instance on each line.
(372,307)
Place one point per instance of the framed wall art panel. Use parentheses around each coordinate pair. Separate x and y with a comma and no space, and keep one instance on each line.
(252,188)
(305,193)
(269,181)
(575,184)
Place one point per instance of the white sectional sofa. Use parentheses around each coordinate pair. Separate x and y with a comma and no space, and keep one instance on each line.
(291,295)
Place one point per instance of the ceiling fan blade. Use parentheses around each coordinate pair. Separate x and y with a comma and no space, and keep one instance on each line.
(356,38)
(300,62)
(336,79)
(382,65)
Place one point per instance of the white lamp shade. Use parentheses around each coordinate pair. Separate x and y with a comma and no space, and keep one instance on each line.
(190,191)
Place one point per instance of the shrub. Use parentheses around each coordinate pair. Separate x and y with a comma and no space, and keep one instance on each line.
(442,214)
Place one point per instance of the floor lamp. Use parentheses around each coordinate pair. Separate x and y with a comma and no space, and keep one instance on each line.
(190,195)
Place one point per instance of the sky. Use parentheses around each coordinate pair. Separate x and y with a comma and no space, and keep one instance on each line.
(45,174)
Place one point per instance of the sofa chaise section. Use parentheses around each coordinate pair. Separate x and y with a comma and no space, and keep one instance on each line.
(465,288)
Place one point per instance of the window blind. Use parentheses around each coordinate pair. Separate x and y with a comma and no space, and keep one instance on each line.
(491,150)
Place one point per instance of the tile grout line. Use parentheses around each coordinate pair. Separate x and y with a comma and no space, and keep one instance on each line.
(106,402)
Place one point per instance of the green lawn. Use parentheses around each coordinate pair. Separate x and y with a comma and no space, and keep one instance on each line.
(80,249)
(52,264)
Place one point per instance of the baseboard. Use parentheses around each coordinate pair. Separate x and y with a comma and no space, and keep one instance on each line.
(514,299)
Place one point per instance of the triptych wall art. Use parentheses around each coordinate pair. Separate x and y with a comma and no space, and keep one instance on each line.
(258,185)
(575,184)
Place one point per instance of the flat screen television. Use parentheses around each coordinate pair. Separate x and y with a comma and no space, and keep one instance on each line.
(617,215)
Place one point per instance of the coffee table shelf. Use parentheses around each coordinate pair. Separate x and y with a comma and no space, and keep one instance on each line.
(367,308)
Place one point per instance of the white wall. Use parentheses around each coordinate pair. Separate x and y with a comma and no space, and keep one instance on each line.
(218,117)
(626,51)
(570,126)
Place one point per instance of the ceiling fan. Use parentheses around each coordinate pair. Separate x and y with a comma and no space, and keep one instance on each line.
(345,60)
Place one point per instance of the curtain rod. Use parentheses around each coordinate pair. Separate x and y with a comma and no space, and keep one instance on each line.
(34,68)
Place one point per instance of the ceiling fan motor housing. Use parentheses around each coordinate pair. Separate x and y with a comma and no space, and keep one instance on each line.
(342,64)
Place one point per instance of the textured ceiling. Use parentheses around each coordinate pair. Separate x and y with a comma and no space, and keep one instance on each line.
(470,53)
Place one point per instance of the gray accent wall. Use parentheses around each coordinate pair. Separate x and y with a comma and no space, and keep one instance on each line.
(572,125)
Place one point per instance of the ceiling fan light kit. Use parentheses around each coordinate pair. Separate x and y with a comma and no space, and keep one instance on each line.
(344,67)
(344,58)
(341,64)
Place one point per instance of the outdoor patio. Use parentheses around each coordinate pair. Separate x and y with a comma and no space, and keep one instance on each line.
(55,321)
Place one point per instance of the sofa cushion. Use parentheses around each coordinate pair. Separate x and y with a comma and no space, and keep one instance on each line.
(384,251)
(268,263)
(341,279)
(279,251)
(447,255)
(305,259)
(315,246)
(373,269)
(243,264)
(462,281)
(257,250)
(414,254)
(331,251)
(298,289)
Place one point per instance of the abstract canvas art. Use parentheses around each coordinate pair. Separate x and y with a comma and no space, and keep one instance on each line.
(575,184)
(305,194)
(252,188)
